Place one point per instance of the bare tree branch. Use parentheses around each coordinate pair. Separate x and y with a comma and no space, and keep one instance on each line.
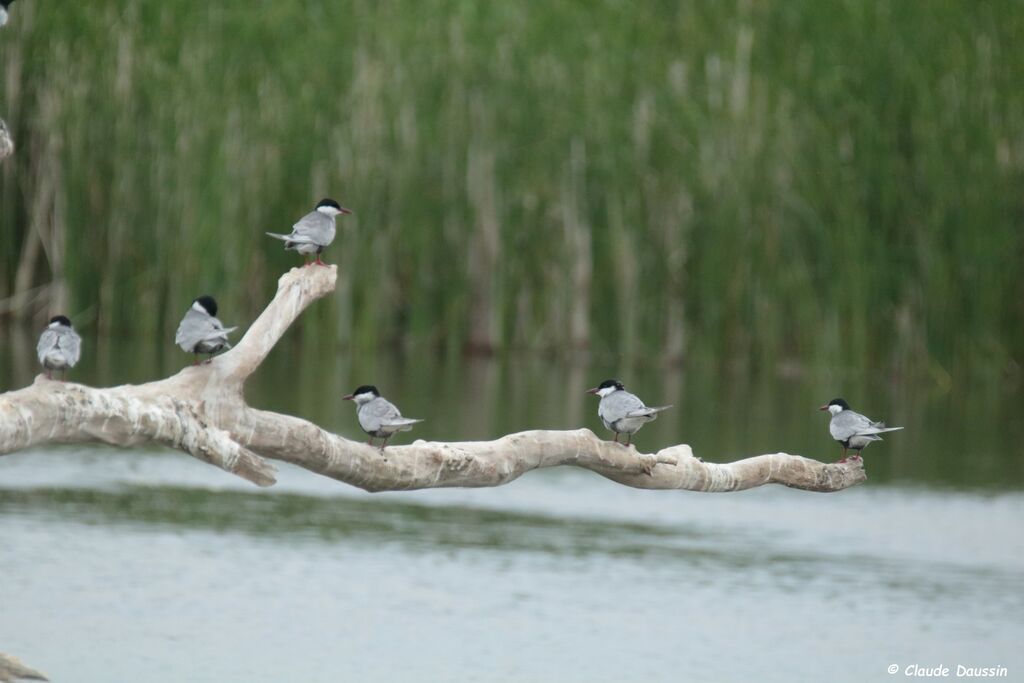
(11,669)
(201,411)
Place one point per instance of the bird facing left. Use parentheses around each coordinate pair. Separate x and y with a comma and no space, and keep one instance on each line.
(377,416)
(59,346)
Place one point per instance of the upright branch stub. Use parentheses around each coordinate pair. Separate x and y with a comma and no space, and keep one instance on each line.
(201,411)
(296,290)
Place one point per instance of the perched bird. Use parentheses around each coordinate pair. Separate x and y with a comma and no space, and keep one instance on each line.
(314,231)
(852,430)
(621,411)
(200,331)
(377,416)
(59,346)
(4,4)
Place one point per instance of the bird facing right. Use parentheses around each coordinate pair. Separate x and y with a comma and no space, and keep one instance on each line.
(314,231)
(200,331)
(621,411)
(377,416)
(852,430)
(59,346)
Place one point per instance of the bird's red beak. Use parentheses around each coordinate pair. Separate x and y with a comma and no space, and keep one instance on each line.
(824,407)
(592,391)
(348,398)
(344,210)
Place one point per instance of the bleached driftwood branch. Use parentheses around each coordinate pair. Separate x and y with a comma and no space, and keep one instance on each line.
(201,411)
(11,669)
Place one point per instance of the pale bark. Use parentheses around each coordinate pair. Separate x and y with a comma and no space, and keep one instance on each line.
(11,669)
(201,411)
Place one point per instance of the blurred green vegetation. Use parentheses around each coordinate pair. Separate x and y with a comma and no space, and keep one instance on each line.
(767,182)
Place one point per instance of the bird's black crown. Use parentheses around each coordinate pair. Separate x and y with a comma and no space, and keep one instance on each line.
(610,383)
(62,319)
(839,402)
(366,389)
(207,302)
(329,202)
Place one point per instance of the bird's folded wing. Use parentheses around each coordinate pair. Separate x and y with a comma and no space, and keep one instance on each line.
(71,344)
(47,341)
(401,421)
(313,227)
(880,428)
(196,327)
(646,411)
(848,423)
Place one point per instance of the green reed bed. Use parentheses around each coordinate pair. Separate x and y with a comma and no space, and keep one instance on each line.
(768,182)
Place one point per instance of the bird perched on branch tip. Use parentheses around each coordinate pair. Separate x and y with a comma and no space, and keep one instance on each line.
(314,231)
(852,430)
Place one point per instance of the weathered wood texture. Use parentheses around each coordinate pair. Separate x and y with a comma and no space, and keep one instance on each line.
(11,669)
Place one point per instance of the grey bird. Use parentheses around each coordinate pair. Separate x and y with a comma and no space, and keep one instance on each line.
(200,331)
(314,231)
(377,416)
(4,4)
(59,346)
(852,430)
(621,411)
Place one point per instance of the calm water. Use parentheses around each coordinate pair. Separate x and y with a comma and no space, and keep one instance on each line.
(145,565)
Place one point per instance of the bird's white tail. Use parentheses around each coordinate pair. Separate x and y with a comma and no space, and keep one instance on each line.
(283,238)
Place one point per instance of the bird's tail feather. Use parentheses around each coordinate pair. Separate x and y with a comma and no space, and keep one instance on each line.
(404,424)
(283,238)
(881,429)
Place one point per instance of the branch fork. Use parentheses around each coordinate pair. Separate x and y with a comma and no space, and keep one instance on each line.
(201,411)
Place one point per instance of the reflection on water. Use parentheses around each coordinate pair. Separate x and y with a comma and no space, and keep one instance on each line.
(146,565)
(151,564)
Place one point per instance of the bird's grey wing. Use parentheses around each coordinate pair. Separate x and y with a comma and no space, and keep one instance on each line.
(376,413)
(880,428)
(47,341)
(618,405)
(647,411)
(71,344)
(314,228)
(847,424)
(197,327)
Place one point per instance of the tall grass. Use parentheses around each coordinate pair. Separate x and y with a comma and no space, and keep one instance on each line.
(777,181)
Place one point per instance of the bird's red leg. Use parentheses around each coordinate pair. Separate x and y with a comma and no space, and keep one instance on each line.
(385,443)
